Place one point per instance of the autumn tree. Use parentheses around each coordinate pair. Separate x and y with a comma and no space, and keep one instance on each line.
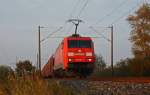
(140,34)
(140,37)
(24,67)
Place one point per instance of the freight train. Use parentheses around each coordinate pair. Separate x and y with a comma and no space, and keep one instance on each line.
(74,55)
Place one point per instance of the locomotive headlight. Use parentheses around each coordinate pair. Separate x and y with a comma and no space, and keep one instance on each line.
(89,54)
(70,60)
(70,54)
(90,59)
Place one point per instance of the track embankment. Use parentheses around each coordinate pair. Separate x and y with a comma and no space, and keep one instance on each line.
(107,86)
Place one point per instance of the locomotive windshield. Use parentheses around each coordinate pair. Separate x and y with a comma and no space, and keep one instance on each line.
(79,44)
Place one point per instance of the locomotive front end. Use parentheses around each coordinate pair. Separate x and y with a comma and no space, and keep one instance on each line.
(81,55)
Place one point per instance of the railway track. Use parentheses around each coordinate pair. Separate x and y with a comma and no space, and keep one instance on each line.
(112,79)
(123,79)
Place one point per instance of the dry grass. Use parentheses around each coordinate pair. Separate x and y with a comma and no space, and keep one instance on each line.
(38,86)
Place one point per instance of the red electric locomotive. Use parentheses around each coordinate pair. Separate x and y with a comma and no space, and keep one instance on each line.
(75,54)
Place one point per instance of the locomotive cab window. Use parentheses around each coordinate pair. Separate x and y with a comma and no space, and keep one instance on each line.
(79,44)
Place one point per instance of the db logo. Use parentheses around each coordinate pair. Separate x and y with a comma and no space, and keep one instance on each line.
(79,50)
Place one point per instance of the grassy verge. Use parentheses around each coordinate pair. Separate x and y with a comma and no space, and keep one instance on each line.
(14,86)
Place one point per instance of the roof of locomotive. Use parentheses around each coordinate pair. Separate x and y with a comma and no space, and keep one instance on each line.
(77,37)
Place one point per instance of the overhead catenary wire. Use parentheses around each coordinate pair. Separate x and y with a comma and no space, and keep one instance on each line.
(64,25)
(80,12)
(110,13)
(74,9)
(71,15)
(82,9)
(64,37)
(89,32)
(51,34)
(125,14)
(99,34)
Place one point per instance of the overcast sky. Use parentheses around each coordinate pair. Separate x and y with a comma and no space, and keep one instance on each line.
(19,20)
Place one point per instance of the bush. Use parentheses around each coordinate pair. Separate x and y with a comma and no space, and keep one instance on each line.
(5,71)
